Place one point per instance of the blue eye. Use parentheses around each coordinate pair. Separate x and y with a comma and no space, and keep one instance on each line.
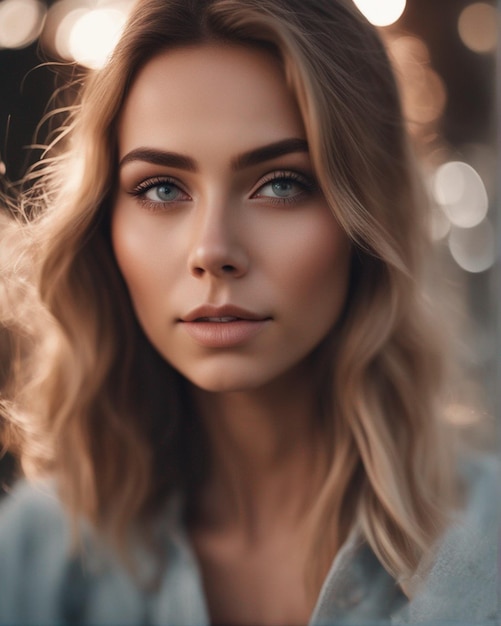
(157,193)
(164,192)
(285,187)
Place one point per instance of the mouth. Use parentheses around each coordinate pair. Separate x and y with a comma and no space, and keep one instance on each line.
(226,326)
(225,314)
(219,320)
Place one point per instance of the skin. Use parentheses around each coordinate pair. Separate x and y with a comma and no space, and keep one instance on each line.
(216,234)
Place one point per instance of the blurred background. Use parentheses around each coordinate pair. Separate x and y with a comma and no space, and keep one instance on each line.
(445,57)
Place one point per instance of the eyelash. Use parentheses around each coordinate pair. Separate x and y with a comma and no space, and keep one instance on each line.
(140,191)
(308,186)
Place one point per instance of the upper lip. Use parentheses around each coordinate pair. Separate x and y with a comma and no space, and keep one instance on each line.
(226,310)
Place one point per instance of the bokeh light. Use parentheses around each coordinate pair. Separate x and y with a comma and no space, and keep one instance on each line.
(462,415)
(473,249)
(440,224)
(85,31)
(478,27)
(410,49)
(21,22)
(423,91)
(55,15)
(483,159)
(62,38)
(459,190)
(94,35)
(382,12)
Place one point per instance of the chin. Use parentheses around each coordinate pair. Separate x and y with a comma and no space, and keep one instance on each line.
(225,385)
(227,380)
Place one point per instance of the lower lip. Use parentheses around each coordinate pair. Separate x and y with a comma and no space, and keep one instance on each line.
(223,334)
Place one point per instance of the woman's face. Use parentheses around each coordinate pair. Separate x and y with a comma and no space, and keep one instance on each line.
(235,265)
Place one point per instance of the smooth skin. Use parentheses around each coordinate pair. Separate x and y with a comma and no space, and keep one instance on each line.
(204,216)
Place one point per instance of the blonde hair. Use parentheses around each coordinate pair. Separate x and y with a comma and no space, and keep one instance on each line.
(96,398)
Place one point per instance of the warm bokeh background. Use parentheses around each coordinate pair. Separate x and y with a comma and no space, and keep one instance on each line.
(445,55)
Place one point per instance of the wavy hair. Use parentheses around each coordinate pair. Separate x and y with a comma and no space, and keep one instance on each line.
(95,398)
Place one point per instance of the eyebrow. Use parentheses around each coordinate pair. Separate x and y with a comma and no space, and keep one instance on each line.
(242,161)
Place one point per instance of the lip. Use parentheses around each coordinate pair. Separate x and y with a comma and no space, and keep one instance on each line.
(205,311)
(238,327)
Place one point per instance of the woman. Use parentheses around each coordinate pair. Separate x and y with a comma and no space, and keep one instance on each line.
(235,390)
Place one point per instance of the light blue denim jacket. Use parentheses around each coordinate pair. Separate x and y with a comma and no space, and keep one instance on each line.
(41,585)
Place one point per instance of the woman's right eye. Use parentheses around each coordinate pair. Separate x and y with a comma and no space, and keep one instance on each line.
(159,192)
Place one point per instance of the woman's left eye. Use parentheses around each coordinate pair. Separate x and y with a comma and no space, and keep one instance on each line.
(284,187)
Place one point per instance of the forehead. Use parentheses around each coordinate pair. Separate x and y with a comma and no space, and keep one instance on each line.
(209,92)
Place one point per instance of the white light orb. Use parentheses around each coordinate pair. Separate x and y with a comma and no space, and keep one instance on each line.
(440,224)
(381,12)
(62,39)
(21,22)
(460,191)
(94,36)
(474,249)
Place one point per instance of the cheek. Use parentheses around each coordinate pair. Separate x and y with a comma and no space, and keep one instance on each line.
(139,258)
(319,268)
(129,251)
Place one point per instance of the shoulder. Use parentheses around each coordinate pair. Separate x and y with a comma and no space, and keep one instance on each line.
(462,586)
(42,581)
(32,521)
(38,496)
(34,543)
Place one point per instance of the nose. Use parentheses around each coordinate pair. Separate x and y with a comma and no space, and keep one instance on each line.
(217,247)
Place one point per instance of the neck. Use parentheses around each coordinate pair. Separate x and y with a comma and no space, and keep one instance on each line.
(267,459)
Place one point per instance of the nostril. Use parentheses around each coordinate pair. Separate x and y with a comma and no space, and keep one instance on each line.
(228,268)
